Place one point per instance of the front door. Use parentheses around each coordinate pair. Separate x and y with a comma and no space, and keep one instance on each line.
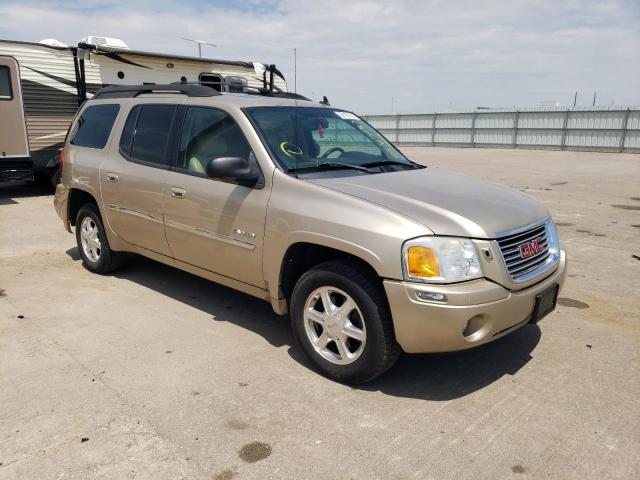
(211,224)
(13,133)
(133,179)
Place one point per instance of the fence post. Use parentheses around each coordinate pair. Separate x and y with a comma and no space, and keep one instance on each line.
(624,129)
(515,129)
(433,132)
(473,129)
(564,131)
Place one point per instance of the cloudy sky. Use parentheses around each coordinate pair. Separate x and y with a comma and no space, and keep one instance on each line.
(429,55)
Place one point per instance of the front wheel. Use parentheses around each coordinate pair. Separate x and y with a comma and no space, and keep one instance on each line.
(92,242)
(340,318)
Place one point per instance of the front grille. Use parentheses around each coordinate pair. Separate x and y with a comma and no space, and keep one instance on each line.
(522,269)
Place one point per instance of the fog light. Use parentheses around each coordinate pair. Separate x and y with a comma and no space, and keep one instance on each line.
(431,296)
(475,329)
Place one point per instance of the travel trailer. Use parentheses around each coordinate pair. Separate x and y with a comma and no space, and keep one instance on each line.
(43,84)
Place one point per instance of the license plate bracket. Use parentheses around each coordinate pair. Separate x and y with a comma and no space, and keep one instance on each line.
(545,303)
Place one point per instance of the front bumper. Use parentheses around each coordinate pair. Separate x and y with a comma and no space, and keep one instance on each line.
(477,312)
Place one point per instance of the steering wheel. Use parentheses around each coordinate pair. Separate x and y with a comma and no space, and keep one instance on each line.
(331,150)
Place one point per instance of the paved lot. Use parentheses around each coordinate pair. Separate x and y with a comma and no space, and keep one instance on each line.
(156,374)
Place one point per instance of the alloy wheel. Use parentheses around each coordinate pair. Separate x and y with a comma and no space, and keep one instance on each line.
(334,325)
(90,239)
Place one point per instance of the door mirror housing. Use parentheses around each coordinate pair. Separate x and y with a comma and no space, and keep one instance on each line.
(233,170)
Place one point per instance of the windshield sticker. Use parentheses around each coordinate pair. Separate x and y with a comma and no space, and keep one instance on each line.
(347,115)
(290,150)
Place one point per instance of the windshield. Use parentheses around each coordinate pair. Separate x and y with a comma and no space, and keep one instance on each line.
(301,138)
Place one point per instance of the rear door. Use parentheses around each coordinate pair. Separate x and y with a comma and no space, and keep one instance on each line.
(13,134)
(133,177)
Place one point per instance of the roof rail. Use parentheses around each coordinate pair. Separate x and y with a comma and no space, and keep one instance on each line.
(130,91)
(243,88)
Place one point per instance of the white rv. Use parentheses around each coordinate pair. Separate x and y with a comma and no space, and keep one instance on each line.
(42,84)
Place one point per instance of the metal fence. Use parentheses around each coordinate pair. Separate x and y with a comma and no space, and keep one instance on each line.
(612,129)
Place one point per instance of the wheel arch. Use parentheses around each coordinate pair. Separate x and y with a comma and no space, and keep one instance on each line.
(303,255)
(77,198)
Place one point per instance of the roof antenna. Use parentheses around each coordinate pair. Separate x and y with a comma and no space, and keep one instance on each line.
(200,43)
(295,70)
(325,101)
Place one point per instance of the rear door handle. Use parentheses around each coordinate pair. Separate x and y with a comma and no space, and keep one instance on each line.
(112,177)
(177,192)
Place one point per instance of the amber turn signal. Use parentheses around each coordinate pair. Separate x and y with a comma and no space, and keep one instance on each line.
(422,262)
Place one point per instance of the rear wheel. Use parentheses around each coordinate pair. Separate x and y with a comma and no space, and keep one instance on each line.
(341,320)
(92,242)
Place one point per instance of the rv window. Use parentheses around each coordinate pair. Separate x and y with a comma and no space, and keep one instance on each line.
(236,84)
(94,125)
(151,134)
(5,83)
(211,80)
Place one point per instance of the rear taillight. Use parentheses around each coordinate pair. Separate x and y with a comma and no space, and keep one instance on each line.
(61,160)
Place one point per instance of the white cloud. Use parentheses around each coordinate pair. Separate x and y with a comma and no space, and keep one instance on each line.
(429,55)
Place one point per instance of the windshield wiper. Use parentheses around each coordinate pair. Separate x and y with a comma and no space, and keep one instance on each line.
(330,165)
(383,163)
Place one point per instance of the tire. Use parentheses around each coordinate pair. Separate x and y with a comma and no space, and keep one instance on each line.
(97,258)
(370,320)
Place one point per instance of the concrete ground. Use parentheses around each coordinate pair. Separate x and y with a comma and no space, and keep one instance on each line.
(152,373)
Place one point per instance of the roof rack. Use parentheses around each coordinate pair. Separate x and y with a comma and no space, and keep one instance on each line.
(130,91)
(239,87)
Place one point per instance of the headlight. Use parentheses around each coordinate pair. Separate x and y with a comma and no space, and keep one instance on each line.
(554,242)
(440,260)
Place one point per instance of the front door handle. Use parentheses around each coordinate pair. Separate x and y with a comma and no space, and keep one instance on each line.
(178,192)
(112,177)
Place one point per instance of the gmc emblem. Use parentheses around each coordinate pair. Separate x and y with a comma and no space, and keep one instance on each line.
(528,249)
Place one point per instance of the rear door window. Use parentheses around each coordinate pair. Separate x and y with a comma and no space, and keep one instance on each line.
(146,133)
(93,126)
(5,83)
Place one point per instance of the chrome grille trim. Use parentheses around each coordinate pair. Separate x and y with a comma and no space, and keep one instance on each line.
(515,252)
(523,270)
(527,236)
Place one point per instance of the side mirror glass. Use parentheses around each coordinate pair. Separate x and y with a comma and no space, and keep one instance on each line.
(233,170)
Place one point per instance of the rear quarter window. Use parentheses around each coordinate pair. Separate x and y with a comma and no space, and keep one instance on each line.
(94,125)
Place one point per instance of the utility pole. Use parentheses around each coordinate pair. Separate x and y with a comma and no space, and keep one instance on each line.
(594,99)
(295,70)
(575,99)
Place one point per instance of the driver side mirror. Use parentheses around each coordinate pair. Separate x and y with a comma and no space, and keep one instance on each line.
(233,170)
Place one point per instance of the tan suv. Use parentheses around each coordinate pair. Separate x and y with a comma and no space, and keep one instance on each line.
(309,208)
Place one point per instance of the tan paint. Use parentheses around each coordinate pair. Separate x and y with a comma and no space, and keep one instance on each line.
(430,327)
(132,194)
(13,133)
(239,237)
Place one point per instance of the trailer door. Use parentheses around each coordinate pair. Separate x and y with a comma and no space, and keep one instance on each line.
(14,146)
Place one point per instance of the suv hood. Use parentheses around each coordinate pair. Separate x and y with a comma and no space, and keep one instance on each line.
(447,203)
